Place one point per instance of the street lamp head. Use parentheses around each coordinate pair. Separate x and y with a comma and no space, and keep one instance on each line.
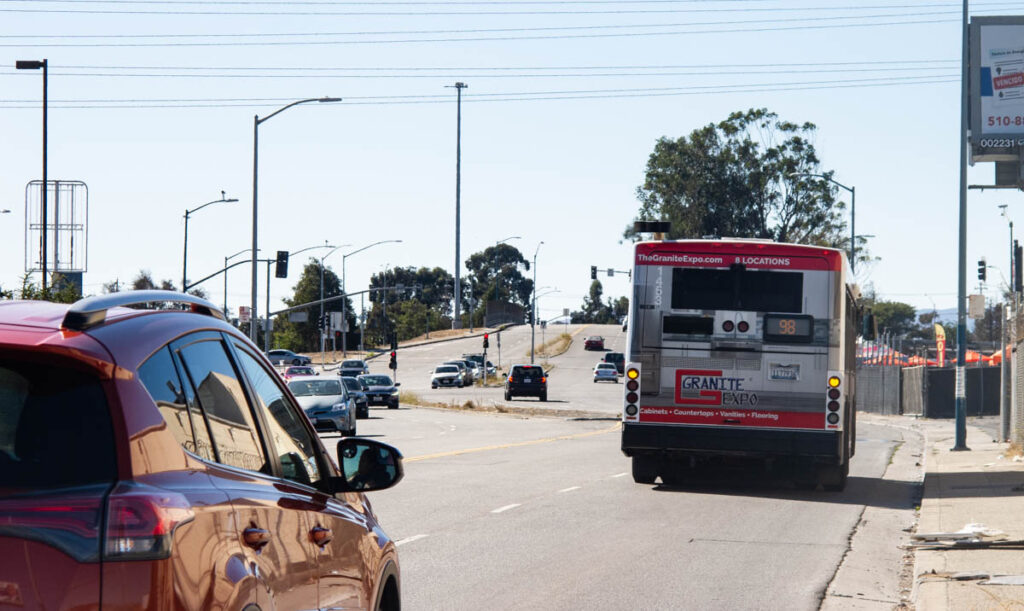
(29,64)
(325,99)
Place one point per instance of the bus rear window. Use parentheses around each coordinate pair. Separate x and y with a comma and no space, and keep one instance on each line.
(737,289)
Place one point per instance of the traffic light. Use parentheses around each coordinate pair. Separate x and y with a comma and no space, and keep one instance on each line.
(982,271)
(593,272)
(394,361)
(394,343)
(281,271)
(487,344)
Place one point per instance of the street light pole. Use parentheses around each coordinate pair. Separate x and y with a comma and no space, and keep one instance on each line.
(533,315)
(1004,412)
(255,189)
(853,212)
(36,65)
(184,258)
(323,330)
(226,259)
(344,327)
(457,319)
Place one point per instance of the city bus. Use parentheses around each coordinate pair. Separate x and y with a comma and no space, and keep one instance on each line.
(741,349)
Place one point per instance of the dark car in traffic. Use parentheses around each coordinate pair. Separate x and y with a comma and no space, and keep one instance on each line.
(357,391)
(526,381)
(155,459)
(353,368)
(380,390)
(616,358)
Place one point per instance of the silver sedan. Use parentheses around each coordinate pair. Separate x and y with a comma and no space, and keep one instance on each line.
(326,402)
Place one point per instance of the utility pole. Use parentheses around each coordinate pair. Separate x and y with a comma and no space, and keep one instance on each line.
(960,390)
(457,319)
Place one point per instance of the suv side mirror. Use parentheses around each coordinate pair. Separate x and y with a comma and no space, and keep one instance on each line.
(367,465)
(398,383)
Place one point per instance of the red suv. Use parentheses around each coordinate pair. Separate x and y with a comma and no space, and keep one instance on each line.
(155,459)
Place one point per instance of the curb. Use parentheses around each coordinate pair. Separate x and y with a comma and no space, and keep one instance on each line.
(445,339)
(572,338)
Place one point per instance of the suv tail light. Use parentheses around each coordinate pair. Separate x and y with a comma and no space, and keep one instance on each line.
(69,522)
(141,522)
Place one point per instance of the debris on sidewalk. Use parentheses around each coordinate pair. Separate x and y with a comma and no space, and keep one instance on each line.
(1004,580)
(971,533)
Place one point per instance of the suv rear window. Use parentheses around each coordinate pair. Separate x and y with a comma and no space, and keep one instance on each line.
(55,427)
(527,372)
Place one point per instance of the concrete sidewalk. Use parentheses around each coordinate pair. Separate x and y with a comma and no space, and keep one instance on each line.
(977,486)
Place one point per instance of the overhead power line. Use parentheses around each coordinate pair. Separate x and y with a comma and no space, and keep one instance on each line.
(498,96)
(446,12)
(265,43)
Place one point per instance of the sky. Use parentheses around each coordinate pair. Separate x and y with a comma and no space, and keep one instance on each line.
(151,104)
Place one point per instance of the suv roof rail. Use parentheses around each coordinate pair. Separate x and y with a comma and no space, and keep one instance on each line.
(92,311)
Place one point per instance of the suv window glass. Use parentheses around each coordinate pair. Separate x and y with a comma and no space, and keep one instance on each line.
(54,427)
(293,442)
(528,372)
(376,380)
(160,378)
(352,384)
(221,397)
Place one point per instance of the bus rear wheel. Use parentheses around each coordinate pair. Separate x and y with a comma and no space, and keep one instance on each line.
(833,477)
(645,469)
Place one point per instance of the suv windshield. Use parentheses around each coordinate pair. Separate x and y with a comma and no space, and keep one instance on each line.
(319,388)
(352,383)
(376,380)
(447,369)
(352,364)
(54,427)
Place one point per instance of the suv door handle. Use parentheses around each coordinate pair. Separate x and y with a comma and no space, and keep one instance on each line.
(320,535)
(256,538)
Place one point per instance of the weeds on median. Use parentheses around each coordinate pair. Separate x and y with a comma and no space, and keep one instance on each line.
(409,397)
(554,347)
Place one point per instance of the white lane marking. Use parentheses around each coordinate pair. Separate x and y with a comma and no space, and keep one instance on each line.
(569,489)
(619,475)
(506,508)
(410,539)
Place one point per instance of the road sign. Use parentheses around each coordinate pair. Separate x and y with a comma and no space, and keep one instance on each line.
(336,320)
(244,313)
(611,273)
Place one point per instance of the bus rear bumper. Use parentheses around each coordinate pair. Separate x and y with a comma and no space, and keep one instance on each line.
(660,439)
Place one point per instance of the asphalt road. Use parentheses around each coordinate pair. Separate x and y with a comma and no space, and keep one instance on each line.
(504,512)
(570,383)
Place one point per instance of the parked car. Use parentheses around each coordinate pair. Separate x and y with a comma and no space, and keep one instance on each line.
(528,381)
(446,375)
(299,370)
(357,391)
(326,402)
(606,372)
(616,358)
(279,356)
(467,373)
(380,390)
(479,360)
(155,459)
(353,368)
(594,342)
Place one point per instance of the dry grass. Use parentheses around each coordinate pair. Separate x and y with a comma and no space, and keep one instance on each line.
(1014,450)
(409,398)
(554,347)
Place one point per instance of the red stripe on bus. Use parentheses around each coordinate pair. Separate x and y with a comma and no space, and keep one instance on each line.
(752,255)
(732,417)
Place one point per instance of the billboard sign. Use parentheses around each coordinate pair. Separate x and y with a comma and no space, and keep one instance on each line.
(996,90)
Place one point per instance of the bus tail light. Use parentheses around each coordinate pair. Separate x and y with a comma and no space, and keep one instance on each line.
(631,400)
(834,401)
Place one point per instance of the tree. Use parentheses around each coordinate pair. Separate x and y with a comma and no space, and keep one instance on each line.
(895,317)
(593,310)
(494,275)
(742,178)
(143,281)
(988,329)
